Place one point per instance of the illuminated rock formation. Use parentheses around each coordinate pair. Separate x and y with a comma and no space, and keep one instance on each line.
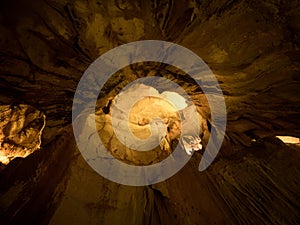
(252,47)
(21,130)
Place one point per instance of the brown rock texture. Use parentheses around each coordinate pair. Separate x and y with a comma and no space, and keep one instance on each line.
(252,47)
(21,131)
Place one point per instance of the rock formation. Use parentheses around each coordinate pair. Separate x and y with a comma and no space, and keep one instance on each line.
(252,47)
(21,131)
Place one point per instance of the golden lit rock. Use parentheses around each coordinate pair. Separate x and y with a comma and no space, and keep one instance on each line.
(21,128)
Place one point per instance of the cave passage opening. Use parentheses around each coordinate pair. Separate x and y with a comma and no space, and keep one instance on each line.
(156,113)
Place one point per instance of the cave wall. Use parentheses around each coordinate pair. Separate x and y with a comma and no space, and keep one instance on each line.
(46,47)
(251,46)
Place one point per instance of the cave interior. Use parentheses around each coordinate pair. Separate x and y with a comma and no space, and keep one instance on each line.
(250,47)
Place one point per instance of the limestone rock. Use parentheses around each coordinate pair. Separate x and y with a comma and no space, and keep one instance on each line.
(21,128)
(252,47)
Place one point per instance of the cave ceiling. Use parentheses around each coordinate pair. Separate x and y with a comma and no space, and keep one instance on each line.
(252,48)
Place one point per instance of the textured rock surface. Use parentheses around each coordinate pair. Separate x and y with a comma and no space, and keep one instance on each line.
(251,46)
(21,128)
